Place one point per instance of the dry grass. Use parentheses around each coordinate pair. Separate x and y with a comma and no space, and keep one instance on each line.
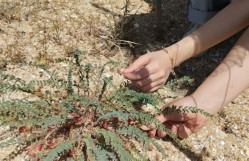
(45,30)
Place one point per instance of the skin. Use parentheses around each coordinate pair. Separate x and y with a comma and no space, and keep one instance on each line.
(224,84)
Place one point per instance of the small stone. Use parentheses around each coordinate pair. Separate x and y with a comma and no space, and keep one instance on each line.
(74,16)
(148,108)
(90,3)
(48,76)
(211,138)
(41,70)
(108,75)
(136,25)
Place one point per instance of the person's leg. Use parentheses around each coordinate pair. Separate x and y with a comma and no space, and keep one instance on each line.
(200,11)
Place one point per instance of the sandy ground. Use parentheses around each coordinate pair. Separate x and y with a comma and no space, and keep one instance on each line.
(43,31)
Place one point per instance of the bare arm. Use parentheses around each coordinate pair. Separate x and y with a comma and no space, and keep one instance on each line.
(231,77)
(150,71)
(229,21)
(228,80)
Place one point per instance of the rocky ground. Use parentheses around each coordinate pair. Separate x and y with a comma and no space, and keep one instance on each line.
(44,31)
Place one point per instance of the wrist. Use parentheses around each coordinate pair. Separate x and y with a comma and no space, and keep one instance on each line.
(172,54)
(208,105)
(171,58)
(181,51)
(213,99)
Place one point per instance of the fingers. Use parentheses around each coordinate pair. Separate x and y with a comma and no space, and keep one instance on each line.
(149,86)
(153,86)
(180,130)
(174,129)
(161,119)
(149,127)
(183,131)
(145,81)
(152,82)
(137,64)
(169,125)
(152,133)
(141,74)
(148,79)
(180,123)
(145,128)
(156,78)
(161,133)
(149,72)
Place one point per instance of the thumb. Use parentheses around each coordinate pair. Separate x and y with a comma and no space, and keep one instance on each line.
(137,64)
(161,119)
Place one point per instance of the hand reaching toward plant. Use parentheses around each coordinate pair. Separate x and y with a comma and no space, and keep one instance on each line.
(181,124)
(223,85)
(149,72)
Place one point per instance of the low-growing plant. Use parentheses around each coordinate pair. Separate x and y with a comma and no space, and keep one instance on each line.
(80,123)
(180,82)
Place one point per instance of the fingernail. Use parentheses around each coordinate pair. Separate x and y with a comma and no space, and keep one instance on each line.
(124,71)
(150,147)
(125,76)
(143,127)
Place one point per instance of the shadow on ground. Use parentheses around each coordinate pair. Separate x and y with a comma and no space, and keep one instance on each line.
(174,25)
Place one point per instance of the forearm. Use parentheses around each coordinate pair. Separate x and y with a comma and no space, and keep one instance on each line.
(229,79)
(226,23)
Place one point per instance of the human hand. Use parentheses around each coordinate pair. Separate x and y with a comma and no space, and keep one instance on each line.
(150,71)
(181,124)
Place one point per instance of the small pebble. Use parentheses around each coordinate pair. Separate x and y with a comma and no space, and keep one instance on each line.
(74,16)
(48,76)
(136,25)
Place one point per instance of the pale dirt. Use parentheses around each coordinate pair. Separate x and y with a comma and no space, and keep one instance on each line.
(46,30)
